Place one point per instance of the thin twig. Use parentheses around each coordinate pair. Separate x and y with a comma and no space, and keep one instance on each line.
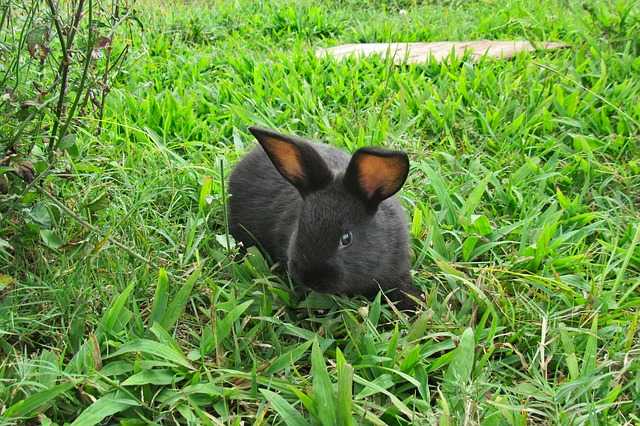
(91,227)
(15,63)
(76,23)
(85,72)
(64,72)
(57,24)
(5,13)
(105,82)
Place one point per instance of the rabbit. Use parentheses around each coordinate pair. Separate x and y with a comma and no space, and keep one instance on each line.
(329,218)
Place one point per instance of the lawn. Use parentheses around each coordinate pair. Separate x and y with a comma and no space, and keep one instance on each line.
(524,207)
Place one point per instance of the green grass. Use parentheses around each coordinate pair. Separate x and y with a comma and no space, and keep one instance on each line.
(524,199)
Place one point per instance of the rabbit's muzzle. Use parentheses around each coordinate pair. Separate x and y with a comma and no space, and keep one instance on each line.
(322,277)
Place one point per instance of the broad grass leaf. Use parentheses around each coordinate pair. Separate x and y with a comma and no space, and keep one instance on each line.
(117,368)
(289,358)
(156,349)
(570,353)
(405,376)
(88,355)
(445,416)
(439,186)
(374,310)
(113,315)
(449,269)
(481,224)
(187,413)
(416,221)
(460,367)
(102,408)
(306,401)
(436,237)
(83,361)
(176,307)
(29,406)
(377,385)
(48,369)
(419,326)
(591,349)
(205,193)
(67,141)
(410,359)
(345,390)
(154,377)
(393,345)
(206,341)
(468,246)
(171,397)
(290,416)
(160,298)
(164,337)
(322,387)
(375,388)
(223,326)
(473,200)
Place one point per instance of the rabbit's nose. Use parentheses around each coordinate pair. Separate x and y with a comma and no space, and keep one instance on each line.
(319,277)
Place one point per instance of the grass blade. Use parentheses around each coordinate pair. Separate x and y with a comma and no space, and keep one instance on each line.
(178,303)
(157,349)
(345,390)
(475,197)
(223,327)
(376,388)
(439,186)
(570,353)
(459,371)
(160,298)
(27,407)
(103,408)
(289,415)
(322,387)
(289,358)
(591,349)
(154,377)
(112,317)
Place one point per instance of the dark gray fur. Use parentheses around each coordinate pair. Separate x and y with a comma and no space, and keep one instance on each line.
(303,232)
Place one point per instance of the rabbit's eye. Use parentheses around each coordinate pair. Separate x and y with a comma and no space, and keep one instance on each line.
(346,239)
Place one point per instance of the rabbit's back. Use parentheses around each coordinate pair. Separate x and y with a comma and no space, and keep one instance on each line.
(264,207)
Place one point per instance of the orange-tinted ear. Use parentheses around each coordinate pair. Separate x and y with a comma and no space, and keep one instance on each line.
(376,174)
(295,159)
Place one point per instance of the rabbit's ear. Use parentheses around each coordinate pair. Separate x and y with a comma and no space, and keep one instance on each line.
(376,174)
(295,159)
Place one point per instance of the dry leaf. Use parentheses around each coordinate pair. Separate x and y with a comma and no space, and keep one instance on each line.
(37,41)
(25,171)
(103,43)
(419,52)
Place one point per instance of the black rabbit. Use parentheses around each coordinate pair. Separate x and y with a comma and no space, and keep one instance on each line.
(331,218)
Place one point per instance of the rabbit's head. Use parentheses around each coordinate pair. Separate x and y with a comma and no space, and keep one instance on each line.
(351,237)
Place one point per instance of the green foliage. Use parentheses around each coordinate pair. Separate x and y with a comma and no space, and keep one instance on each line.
(524,205)
(57,61)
